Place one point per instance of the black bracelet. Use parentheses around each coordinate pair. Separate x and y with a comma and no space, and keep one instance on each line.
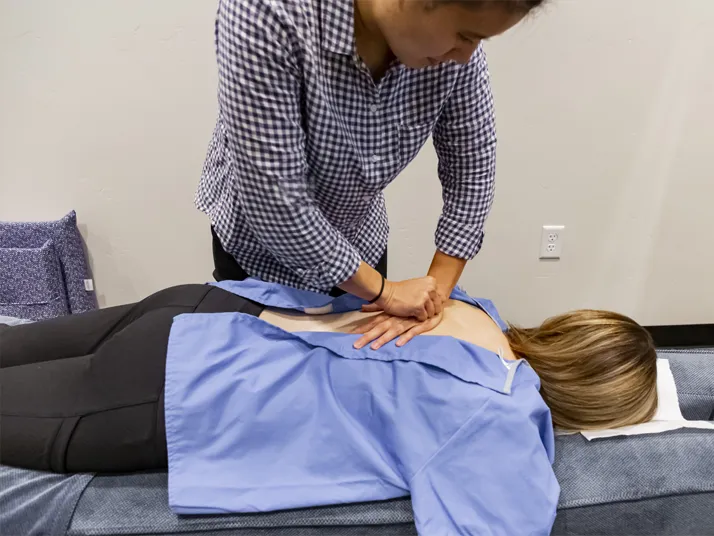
(381,290)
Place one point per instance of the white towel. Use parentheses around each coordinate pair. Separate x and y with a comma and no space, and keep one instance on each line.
(668,416)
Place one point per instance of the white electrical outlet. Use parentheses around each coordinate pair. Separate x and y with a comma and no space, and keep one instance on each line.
(551,241)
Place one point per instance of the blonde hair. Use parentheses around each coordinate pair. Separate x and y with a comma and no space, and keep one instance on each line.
(598,369)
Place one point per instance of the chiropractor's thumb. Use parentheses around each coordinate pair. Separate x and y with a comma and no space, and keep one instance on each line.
(371,308)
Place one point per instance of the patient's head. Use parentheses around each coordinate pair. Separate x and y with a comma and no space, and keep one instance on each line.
(598,369)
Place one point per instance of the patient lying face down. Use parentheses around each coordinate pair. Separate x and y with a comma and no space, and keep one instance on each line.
(101,374)
(249,417)
(598,369)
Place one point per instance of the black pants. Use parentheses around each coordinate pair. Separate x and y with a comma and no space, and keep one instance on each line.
(84,393)
(228,269)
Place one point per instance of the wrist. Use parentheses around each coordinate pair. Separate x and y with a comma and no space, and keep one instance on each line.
(387,294)
(444,291)
(447,271)
(365,283)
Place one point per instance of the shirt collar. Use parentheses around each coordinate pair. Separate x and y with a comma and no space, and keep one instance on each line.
(337,26)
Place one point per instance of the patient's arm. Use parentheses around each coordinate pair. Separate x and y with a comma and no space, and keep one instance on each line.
(492,477)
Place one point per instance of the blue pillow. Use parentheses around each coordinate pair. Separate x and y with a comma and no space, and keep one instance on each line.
(69,247)
(31,283)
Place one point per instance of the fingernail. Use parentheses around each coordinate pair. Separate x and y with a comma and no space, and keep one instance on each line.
(400,343)
(375,347)
(357,345)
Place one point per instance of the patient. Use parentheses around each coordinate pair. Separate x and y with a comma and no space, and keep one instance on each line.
(597,368)
(86,393)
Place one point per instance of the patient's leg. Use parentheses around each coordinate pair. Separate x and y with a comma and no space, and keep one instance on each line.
(101,412)
(80,335)
(98,412)
(58,338)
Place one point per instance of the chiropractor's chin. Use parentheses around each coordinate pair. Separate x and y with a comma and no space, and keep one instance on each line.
(422,62)
(422,50)
(417,63)
(418,59)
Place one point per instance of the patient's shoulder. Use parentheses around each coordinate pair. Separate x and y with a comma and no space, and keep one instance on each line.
(471,324)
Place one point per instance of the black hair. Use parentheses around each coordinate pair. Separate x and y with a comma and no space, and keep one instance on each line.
(523,6)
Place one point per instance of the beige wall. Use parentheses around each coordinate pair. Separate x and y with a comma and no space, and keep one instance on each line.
(605,112)
(107,107)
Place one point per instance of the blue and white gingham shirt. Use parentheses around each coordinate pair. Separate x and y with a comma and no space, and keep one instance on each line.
(306,142)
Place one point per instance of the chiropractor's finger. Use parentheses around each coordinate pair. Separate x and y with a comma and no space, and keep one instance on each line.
(421,314)
(429,306)
(419,329)
(392,333)
(365,326)
(376,332)
(438,303)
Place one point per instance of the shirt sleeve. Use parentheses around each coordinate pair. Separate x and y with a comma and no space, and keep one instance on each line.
(259,100)
(465,143)
(492,478)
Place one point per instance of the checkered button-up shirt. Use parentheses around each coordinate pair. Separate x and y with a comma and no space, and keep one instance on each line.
(306,141)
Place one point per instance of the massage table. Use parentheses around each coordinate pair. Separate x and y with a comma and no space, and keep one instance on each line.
(659,484)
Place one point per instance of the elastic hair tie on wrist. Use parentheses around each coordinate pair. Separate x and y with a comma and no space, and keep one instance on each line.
(381,290)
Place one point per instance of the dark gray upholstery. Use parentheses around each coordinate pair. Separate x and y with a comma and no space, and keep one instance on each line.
(105,505)
(35,503)
(609,486)
(659,484)
(693,372)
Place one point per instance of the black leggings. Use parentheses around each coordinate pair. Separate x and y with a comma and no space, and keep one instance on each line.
(84,393)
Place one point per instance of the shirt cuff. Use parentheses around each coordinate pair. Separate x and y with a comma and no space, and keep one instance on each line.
(341,264)
(457,239)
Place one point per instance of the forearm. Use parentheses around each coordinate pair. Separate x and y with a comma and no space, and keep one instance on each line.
(365,283)
(447,271)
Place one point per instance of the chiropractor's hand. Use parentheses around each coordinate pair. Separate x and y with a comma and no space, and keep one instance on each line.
(384,328)
(418,298)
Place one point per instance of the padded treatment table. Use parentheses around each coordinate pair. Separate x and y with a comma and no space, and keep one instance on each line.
(660,484)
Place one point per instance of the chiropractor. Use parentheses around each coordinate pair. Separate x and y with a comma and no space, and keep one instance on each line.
(321,104)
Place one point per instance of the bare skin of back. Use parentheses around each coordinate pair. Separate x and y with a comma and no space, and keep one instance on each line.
(461,321)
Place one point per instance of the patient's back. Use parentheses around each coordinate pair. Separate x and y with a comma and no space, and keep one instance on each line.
(460,320)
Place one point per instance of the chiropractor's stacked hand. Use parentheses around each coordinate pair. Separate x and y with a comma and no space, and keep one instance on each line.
(417,298)
(384,328)
(410,308)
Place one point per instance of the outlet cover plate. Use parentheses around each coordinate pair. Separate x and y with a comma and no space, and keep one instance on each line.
(551,241)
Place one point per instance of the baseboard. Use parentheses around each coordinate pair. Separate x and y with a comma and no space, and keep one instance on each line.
(688,336)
